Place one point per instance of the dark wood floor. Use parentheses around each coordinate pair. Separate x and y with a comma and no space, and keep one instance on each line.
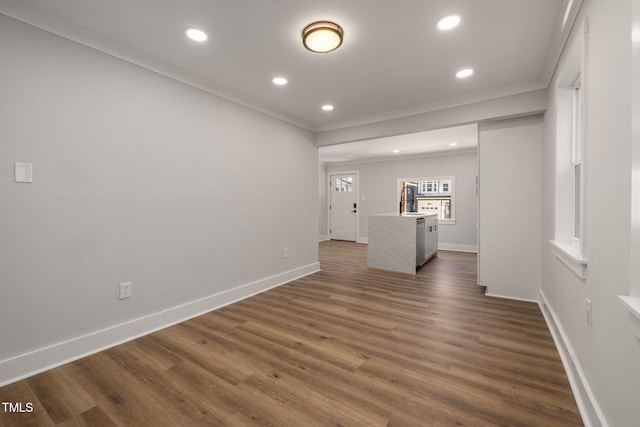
(349,346)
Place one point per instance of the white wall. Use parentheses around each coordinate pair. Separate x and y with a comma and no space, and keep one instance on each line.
(601,358)
(510,213)
(138,178)
(378,187)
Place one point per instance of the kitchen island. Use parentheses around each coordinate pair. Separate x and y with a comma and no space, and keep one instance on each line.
(401,242)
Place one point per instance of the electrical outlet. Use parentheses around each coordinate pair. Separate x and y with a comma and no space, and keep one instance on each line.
(285,252)
(126,290)
(589,312)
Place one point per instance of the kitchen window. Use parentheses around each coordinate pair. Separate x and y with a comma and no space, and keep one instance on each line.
(428,195)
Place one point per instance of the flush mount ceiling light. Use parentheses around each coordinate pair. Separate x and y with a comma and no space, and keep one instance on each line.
(464,73)
(448,22)
(196,35)
(327,107)
(322,36)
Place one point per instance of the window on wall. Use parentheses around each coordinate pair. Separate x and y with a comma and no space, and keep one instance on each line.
(576,164)
(428,195)
(569,239)
(344,184)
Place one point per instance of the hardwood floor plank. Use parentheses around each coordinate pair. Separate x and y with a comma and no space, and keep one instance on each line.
(125,397)
(59,396)
(198,347)
(21,393)
(349,346)
(94,417)
(221,403)
(300,402)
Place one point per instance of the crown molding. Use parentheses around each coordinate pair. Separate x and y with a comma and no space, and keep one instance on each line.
(566,21)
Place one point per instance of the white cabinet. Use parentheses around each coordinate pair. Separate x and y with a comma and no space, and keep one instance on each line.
(444,186)
(435,186)
(431,236)
(428,187)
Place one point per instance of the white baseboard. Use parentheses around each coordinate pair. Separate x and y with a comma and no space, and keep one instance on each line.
(323,238)
(441,246)
(509,297)
(40,360)
(591,414)
(457,247)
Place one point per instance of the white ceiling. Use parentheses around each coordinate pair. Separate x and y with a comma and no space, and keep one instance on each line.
(393,61)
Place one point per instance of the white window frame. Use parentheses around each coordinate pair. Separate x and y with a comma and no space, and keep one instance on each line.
(570,239)
(577,184)
(344,186)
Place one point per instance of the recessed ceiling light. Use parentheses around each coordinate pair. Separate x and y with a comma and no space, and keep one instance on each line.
(396,151)
(327,107)
(464,73)
(196,35)
(453,144)
(448,22)
(280,81)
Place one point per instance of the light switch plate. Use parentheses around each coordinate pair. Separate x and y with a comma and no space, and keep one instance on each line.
(23,172)
(126,290)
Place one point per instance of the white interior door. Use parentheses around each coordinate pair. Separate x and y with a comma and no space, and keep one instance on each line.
(343,207)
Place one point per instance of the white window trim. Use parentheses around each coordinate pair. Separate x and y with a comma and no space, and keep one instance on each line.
(577,147)
(568,257)
(568,249)
(633,306)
